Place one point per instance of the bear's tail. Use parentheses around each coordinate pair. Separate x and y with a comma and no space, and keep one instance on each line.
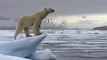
(18,30)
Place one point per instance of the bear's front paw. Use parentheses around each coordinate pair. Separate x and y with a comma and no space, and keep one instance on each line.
(40,33)
(28,35)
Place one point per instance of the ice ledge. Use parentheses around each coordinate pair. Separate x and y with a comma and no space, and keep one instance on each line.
(21,47)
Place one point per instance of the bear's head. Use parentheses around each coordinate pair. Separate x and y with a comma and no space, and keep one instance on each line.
(49,10)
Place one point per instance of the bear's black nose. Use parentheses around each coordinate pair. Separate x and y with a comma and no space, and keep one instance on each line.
(53,10)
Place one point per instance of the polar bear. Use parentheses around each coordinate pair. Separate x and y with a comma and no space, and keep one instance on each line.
(32,20)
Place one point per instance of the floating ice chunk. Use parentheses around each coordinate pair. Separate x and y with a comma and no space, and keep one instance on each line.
(43,55)
(21,47)
(7,57)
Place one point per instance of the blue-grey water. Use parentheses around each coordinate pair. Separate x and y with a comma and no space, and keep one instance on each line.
(72,44)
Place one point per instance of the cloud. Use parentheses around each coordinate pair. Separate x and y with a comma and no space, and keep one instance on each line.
(87,21)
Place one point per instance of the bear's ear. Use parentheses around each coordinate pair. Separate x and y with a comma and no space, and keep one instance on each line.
(44,8)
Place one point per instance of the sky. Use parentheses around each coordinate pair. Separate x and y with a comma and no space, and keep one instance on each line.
(75,13)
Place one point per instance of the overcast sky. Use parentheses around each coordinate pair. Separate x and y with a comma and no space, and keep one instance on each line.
(16,8)
(62,7)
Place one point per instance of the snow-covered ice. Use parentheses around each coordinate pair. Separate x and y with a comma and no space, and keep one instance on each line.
(21,47)
(43,54)
(8,57)
(25,48)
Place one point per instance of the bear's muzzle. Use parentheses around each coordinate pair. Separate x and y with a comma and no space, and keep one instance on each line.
(52,11)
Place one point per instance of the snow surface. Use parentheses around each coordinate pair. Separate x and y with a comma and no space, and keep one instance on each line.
(8,57)
(21,47)
(43,54)
(25,48)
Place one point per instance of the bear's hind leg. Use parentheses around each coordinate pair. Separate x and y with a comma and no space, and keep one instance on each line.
(27,32)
